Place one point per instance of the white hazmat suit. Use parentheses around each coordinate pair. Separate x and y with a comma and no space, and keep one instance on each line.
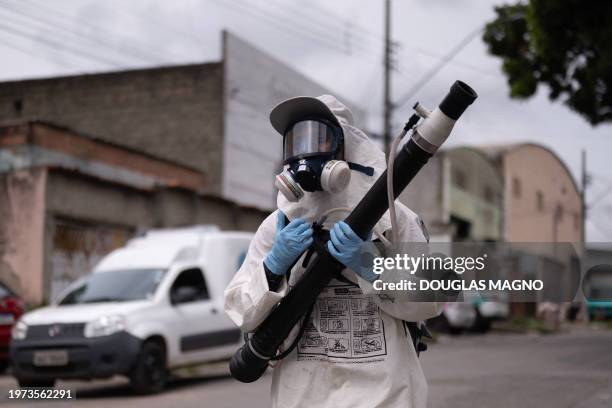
(355,351)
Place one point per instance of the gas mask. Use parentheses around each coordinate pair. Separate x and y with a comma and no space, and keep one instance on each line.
(313,151)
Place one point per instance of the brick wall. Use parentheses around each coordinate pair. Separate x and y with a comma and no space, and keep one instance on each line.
(171,112)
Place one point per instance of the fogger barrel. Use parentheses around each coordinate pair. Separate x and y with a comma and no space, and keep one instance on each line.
(250,361)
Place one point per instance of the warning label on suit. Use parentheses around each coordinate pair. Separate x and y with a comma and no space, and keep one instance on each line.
(345,324)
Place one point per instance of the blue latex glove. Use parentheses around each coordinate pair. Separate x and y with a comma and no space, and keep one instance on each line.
(345,246)
(289,243)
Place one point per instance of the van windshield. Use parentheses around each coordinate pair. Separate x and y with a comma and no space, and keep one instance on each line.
(115,286)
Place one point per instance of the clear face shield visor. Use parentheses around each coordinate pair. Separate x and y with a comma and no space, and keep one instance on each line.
(313,154)
(311,138)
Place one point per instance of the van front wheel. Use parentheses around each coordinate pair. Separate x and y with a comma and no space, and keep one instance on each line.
(148,376)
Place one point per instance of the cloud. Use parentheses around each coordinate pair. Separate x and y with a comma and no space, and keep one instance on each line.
(303,36)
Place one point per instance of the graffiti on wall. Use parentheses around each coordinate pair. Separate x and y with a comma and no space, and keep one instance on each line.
(78,247)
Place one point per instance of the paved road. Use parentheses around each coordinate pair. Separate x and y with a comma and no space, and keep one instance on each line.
(573,369)
(567,370)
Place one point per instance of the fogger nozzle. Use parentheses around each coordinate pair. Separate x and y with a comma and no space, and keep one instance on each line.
(437,126)
(460,96)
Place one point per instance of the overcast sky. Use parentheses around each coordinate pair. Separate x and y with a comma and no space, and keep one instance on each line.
(337,43)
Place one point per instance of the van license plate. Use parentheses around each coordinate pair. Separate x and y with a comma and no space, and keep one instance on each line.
(50,358)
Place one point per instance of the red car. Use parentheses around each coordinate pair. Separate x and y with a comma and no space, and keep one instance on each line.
(11,308)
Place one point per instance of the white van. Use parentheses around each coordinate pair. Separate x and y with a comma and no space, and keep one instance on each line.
(149,307)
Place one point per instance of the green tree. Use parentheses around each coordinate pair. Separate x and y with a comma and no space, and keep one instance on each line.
(564,44)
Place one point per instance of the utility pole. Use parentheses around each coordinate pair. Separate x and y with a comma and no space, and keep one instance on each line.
(583,206)
(387,108)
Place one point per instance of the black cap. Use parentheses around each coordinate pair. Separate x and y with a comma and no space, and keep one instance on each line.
(460,96)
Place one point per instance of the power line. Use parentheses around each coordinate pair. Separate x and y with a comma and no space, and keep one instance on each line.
(56,45)
(333,34)
(258,14)
(293,26)
(132,51)
(124,43)
(376,37)
(179,32)
(12,46)
(373,41)
(459,64)
(600,197)
(599,228)
(594,177)
(447,58)
(371,90)
(336,24)
(436,68)
(44,23)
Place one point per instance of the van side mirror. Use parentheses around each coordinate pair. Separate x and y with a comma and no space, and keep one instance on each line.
(183,294)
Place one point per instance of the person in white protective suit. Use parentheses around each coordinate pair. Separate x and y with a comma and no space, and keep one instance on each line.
(355,351)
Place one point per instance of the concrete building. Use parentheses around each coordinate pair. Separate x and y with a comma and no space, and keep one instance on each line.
(542,208)
(68,199)
(212,117)
(517,194)
(88,161)
(459,196)
(542,202)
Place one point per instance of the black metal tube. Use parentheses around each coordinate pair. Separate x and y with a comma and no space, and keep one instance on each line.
(375,203)
(275,329)
(250,362)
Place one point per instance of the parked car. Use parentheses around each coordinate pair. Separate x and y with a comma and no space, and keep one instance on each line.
(490,307)
(149,307)
(454,319)
(11,309)
(597,287)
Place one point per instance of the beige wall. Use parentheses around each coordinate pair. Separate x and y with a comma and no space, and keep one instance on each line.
(537,169)
(22,220)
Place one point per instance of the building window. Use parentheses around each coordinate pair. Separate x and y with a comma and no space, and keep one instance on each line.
(18,106)
(560,213)
(489,195)
(459,179)
(539,200)
(516,187)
